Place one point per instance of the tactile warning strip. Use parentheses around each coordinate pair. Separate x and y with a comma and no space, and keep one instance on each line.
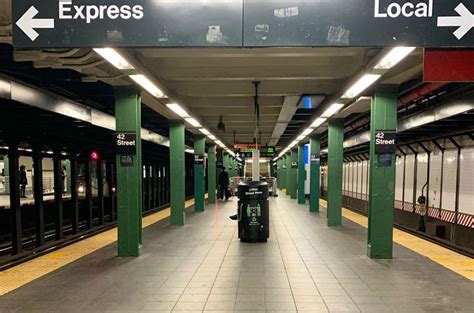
(24,273)
(453,261)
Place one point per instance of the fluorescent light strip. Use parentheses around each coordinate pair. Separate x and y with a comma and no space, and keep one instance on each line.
(361,85)
(204,131)
(148,85)
(113,57)
(308,131)
(212,137)
(176,108)
(300,137)
(395,56)
(318,122)
(193,122)
(333,109)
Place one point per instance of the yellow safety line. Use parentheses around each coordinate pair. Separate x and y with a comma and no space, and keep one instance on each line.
(24,273)
(453,261)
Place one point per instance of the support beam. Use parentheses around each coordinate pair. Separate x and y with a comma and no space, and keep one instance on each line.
(88,193)
(100,192)
(177,173)
(335,162)
(301,175)
(211,173)
(129,176)
(294,174)
(199,179)
(58,195)
(38,195)
(315,173)
(111,183)
(74,196)
(383,116)
(288,174)
(15,206)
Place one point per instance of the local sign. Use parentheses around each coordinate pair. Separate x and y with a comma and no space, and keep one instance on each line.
(242,23)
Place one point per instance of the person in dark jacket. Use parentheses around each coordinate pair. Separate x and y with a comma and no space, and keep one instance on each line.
(23,181)
(224,184)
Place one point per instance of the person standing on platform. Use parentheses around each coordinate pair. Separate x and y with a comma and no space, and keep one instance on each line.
(224,184)
(23,181)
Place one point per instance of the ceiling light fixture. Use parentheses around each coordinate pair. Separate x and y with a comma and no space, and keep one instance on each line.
(176,108)
(395,56)
(308,131)
(333,109)
(361,85)
(193,122)
(300,137)
(204,131)
(211,136)
(148,85)
(113,57)
(318,122)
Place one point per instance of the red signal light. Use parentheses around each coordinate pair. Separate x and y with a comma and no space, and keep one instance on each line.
(94,155)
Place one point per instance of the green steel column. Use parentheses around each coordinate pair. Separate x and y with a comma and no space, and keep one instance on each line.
(301,175)
(288,174)
(335,160)
(129,178)
(383,116)
(220,161)
(199,180)
(211,173)
(315,173)
(294,174)
(177,172)
(283,173)
(226,161)
(279,173)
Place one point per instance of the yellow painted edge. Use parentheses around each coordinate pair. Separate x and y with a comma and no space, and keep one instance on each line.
(24,273)
(451,260)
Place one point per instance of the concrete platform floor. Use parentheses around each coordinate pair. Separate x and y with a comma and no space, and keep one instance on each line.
(304,267)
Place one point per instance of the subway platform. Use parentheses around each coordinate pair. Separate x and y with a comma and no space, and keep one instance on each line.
(304,267)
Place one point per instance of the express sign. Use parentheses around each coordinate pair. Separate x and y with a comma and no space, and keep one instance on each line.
(242,23)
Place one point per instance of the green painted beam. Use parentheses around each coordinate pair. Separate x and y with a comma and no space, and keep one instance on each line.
(129,178)
(199,179)
(288,174)
(335,162)
(301,175)
(315,173)
(294,174)
(211,173)
(177,173)
(383,116)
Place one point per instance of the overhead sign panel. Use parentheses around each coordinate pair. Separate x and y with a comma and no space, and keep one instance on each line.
(242,23)
(127,23)
(418,23)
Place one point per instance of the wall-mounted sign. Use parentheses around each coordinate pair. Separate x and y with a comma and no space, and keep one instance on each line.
(315,158)
(244,155)
(385,141)
(199,159)
(126,160)
(294,164)
(125,143)
(242,23)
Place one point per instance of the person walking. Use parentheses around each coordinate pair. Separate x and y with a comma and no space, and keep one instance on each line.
(224,184)
(23,181)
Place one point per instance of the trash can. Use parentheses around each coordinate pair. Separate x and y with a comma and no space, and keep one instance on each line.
(253,211)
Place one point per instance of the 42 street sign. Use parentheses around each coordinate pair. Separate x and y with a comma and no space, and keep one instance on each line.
(242,23)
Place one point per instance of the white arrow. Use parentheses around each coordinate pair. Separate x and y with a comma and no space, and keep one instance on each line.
(464,22)
(27,23)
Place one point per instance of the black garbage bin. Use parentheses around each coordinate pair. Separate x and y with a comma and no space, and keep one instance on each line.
(253,211)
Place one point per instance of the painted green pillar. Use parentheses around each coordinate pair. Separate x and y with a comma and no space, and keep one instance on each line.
(315,173)
(335,161)
(301,175)
(129,176)
(177,173)
(383,116)
(211,173)
(219,168)
(283,173)
(288,174)
(278,165)
(294,173)
(199,180)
